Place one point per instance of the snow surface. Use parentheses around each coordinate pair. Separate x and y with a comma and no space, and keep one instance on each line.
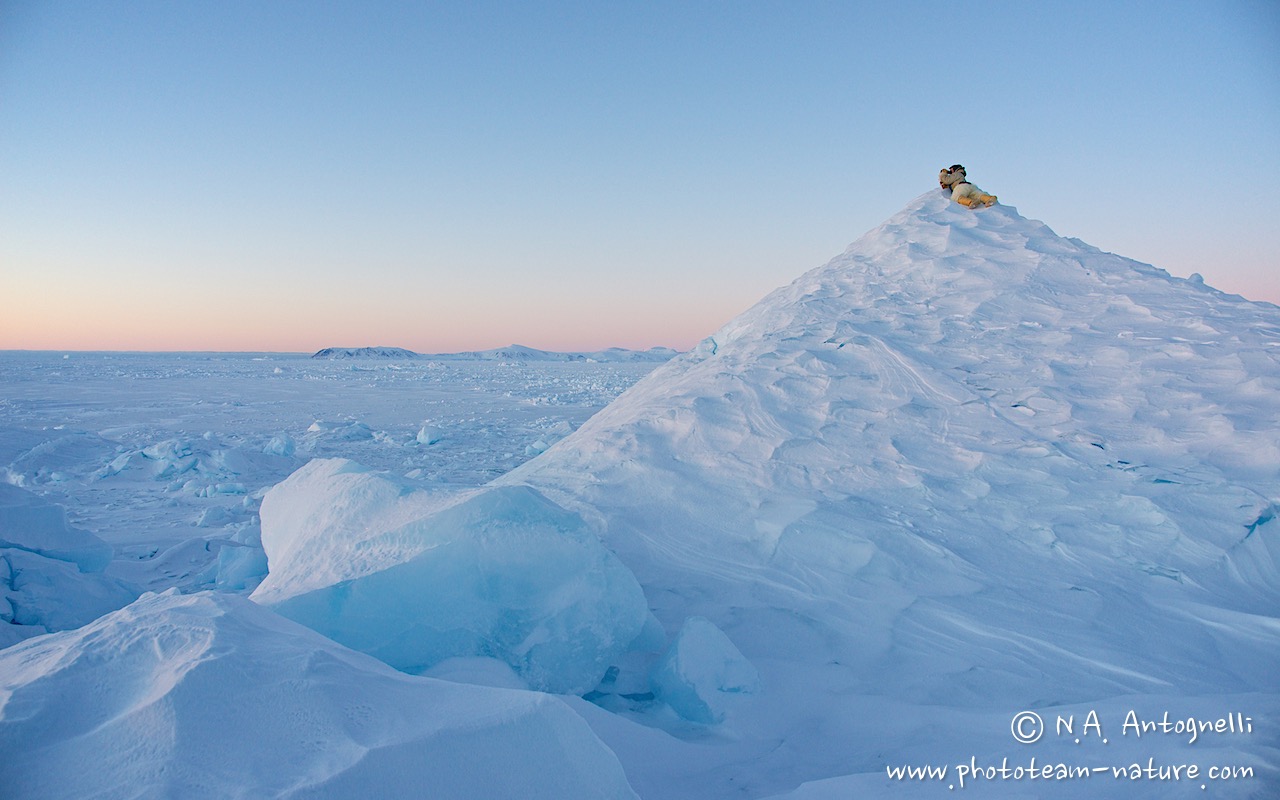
(967,469)
(210,695)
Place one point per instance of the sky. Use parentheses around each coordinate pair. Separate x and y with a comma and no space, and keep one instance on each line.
(444,176)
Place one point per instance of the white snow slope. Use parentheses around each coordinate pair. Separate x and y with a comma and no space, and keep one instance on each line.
(966,470)
(208,695)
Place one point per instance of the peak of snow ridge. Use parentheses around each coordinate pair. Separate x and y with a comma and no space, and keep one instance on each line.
(995,319)
(966,465)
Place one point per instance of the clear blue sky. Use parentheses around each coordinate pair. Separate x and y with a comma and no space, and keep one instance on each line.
(458,175)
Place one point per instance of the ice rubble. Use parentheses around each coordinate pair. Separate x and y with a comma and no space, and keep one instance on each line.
(511,353)
(702,672)
(210,695)
(50,571)
(180,506)
(429,434)
(503,573)
(201,466)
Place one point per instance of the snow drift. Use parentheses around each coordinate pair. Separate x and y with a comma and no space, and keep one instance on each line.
(210,695)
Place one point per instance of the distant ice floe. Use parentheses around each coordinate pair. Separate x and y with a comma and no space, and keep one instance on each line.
(341,431)
(429,434)
(49,457)
(512,353)
(203,466)
(280,445)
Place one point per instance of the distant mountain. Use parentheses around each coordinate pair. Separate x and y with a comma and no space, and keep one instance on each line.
(514,352)
(335,353)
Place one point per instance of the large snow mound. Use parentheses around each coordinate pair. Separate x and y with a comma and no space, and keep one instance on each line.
(210,695)
(967,467)
(502,573)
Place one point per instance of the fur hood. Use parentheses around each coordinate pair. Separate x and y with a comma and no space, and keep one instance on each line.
(948,178)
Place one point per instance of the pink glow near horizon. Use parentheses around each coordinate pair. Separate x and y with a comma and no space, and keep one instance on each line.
(146,329)
(88,319)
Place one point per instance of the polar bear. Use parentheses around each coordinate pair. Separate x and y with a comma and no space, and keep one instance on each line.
(963,192)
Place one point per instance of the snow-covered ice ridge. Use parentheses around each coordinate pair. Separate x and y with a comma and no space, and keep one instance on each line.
(967,469)
(513,352)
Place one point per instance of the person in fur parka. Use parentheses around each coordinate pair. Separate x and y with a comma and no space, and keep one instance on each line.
(966,194)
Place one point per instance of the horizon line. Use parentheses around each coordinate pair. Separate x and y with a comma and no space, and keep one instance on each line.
(331,347)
